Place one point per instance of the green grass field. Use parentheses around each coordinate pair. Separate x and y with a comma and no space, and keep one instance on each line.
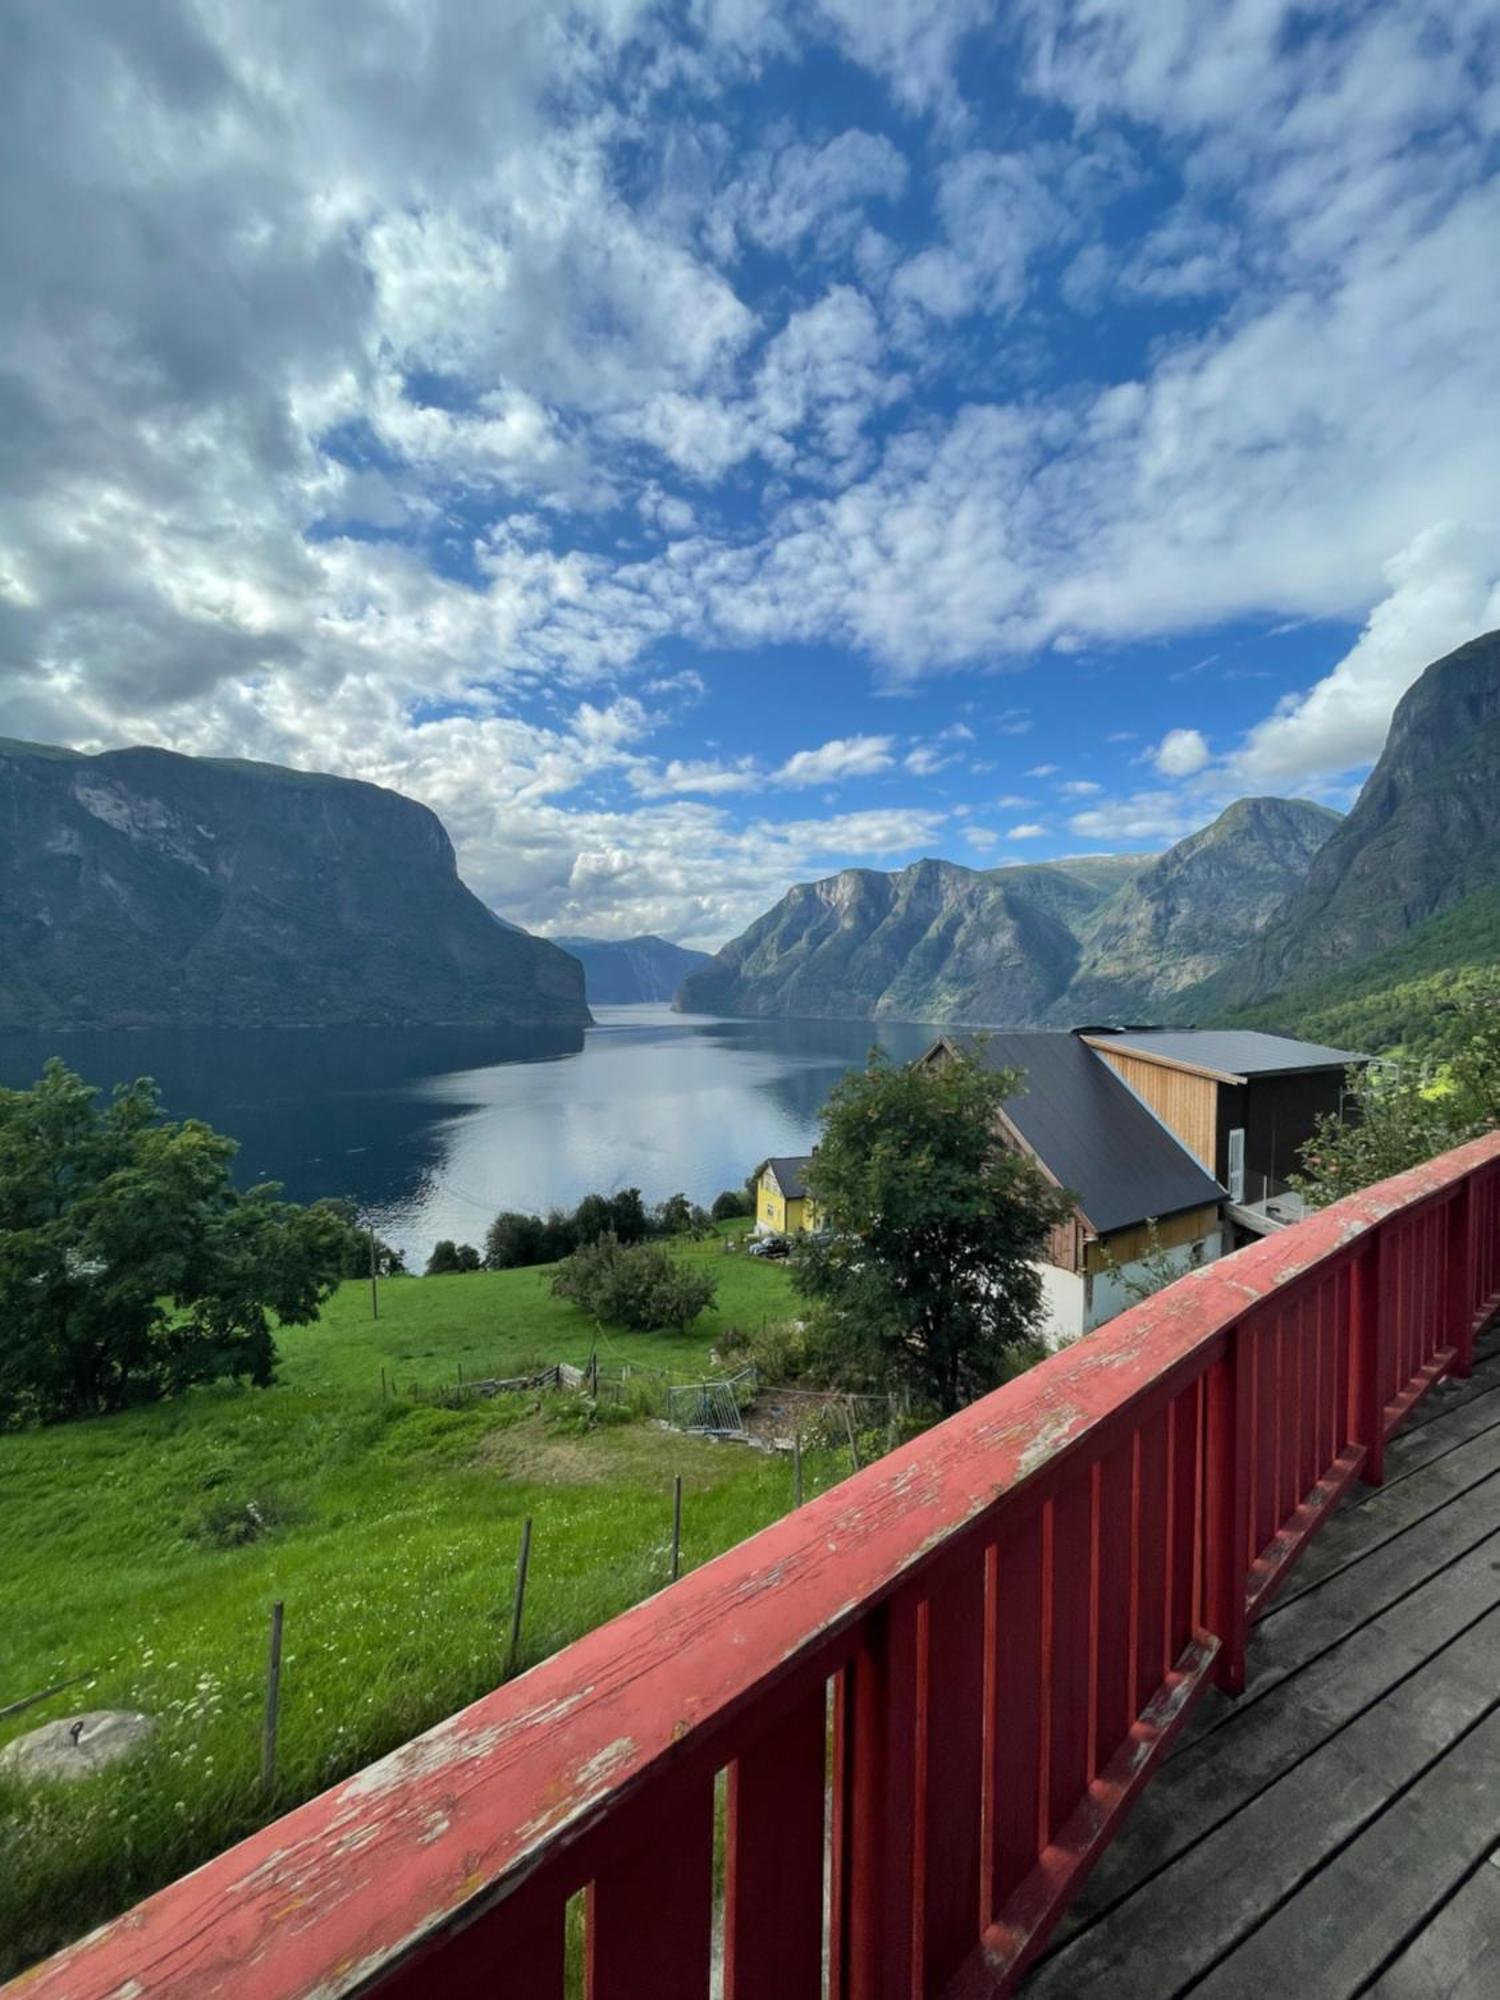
(392,1535)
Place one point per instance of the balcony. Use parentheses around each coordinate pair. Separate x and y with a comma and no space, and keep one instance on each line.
(989,1717)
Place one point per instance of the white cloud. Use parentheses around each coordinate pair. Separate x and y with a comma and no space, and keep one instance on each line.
(842,757)
(1442,589)
(1044,771)
(981,837)
(1145,816)
(1012,799)
(697,774)
(1030,830)
(1181,752)
(1079,788)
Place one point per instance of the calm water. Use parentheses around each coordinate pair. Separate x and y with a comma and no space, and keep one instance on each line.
(432,1130)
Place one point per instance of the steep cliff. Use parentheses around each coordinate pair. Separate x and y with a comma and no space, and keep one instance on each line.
(143,887)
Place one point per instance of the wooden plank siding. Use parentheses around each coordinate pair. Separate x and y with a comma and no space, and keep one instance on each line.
(1184,1101)
(1172,1231)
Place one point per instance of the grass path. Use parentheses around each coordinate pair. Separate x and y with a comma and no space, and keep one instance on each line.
(393,1529)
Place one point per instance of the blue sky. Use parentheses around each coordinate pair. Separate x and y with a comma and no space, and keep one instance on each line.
(698,447)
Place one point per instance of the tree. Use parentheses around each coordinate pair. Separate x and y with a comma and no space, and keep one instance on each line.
(640,1286)
(131,1267)
(674,1216)
(1402,1112)
(449,1256)
(354,1256)
(731,1204)
(925,1270)
(1152,1271)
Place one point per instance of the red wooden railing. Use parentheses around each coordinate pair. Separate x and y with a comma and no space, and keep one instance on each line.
(934,1690)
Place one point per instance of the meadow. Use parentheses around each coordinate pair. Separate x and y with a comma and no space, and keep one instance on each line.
(145,1550)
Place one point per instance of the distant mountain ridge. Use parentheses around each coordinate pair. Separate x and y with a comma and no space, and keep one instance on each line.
(1052,943)
(623,972)
(139,887)
(1423,836)
(1404,899)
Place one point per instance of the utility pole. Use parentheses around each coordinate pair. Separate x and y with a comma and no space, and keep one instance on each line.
(374,1290)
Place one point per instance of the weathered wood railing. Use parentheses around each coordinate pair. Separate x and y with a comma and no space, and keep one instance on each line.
(933,1690)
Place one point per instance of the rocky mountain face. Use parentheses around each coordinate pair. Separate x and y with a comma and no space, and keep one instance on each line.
(620,972)
(1056,944)
(933,942)
(139,887)
(1186,914)
(1424,835)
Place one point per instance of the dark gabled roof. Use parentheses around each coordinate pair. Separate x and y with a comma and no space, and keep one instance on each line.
(791,1175)
(1091,1132)
(1239,1053)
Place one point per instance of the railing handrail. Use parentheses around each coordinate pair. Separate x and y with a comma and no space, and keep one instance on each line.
(344,1888)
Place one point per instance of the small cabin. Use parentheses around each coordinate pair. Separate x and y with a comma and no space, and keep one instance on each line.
(783,1206)
(1243,1103)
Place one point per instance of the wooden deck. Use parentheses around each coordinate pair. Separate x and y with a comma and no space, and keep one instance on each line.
(1335,1831)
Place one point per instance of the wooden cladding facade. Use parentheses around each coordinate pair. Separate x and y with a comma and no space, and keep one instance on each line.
(1186,1103)
(1126,1246)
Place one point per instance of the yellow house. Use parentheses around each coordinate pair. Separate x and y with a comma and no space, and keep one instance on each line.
(783,1206)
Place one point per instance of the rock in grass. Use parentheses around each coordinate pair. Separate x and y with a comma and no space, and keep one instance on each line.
(78,1746)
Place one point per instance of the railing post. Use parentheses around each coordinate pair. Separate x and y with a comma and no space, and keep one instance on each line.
(881,1808)
(1226,1484)
(1461,1276)
(1368,1331)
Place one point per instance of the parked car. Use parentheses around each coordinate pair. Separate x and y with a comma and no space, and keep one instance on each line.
(769,1246)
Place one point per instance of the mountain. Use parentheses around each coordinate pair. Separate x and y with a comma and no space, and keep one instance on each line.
(1422,839)
(140,887)
(1058,943)
(1184,916)
(621,971)
(932,942)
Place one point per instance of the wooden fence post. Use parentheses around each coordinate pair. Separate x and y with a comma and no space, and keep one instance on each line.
(272,1715)
(1226,1505)
(1368,1320)
(1461,1276)
(518,1602)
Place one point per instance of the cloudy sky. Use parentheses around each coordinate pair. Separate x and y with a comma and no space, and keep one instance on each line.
(698,447)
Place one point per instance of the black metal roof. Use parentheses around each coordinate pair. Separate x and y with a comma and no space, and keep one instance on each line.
(791,1174)
(1091,1132)
(1238,1052)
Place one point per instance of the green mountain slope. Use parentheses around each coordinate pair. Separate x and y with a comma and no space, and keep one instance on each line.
(140,887)
(1399,997)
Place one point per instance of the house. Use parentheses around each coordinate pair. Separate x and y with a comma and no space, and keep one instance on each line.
(783,1206)
(1244,1104)
(1091,1133)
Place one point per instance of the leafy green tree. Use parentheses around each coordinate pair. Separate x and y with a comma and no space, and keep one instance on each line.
(925,1272)
(354,1257)
(730,1204)
(449,1256)
(640,1286)
(1400,1113)
(131,1267)
(674,1216)
(627,1216)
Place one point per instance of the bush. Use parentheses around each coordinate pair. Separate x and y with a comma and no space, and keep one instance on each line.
(450,1256)
(639,1286)
(732,1205)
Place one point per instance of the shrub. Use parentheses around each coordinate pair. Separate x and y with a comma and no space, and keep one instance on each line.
(732,1204)
(639,1286)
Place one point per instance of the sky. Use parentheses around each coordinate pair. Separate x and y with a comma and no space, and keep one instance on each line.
(695,448)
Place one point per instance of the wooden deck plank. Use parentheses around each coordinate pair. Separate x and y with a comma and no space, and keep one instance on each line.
(1180,1922)
(1264,1738)
(1457,1955)
(1329,1941)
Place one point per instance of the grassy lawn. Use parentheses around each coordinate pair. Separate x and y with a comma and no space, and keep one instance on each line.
(392,1534)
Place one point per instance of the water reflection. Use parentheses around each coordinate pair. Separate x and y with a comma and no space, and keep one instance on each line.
(433,1130)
